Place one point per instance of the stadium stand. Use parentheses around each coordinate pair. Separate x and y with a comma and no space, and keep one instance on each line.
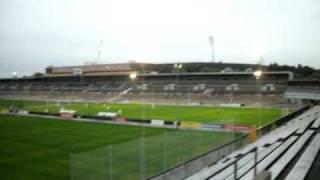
(303,90)
(62,82)
(272,152)
(235,82)
(307,166)
(304,164)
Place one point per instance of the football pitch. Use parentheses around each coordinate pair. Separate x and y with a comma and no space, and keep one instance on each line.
(222,115)
(39,148)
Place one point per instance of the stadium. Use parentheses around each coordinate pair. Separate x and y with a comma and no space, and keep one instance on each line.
(136,121)
(159,90)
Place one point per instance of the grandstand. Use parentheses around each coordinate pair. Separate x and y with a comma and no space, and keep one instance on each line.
(303,90)
(200,83)
(96,82)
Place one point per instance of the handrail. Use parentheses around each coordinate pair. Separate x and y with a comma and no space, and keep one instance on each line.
(253,150)
(285,118)
(290,116)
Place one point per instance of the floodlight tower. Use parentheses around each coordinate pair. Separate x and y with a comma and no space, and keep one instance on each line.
(211,43)
(177,68)
(258,75)
(99,51)
(259,51)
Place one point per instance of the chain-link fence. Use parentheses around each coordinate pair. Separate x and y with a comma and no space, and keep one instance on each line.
(206,159)
(201,161)
(173,154)
(145,156)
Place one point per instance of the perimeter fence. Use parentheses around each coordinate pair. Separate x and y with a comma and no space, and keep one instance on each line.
(171,155)
(148,155)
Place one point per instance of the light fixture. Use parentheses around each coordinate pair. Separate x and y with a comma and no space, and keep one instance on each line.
(257,74)
(133,75)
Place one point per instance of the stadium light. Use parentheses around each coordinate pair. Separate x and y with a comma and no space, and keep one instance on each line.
(133,75)
(257,74)
(14,74)
(177,66)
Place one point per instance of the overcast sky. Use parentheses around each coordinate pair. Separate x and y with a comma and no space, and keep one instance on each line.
(38,33)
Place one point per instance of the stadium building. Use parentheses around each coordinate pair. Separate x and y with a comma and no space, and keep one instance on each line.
(112,82)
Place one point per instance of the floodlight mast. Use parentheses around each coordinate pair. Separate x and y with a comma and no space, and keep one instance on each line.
(211,42)
(99,51)
(177,67)
(258,74)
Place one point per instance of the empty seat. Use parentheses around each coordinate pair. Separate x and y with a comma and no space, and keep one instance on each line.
(302,167)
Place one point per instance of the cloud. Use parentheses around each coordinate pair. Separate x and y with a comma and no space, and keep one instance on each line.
(34,34)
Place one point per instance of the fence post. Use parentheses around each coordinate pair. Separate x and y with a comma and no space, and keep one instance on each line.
(142,161)
(255,161)
(165,155)
(71,166)
(110,162)
(235,169)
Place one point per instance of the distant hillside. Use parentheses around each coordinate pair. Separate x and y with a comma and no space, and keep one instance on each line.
(300,71)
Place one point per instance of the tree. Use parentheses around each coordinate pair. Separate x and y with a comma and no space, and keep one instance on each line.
(38,74)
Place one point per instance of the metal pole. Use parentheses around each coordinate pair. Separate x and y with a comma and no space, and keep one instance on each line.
(211,42)
(258,92)
(260,104)
(142,165)
(165,150)
(110,162)
(189,97)
(255,161)
(235,169)
(71,166)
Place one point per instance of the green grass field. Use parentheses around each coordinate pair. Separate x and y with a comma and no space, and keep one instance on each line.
(38,148)
(244,116)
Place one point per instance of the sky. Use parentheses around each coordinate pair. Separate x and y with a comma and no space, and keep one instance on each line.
(37,33)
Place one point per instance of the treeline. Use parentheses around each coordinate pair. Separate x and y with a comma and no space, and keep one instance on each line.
(300,71)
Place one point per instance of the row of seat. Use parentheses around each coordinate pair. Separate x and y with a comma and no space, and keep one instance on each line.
(63,87)
(281,159)
(288,139)
(302,167)
(150,86)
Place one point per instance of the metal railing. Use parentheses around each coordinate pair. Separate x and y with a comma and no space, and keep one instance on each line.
(235,164)
(280,121)
(194,165)
(190,167)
